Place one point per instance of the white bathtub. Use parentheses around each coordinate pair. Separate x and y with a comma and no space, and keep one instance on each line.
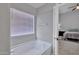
(36,47)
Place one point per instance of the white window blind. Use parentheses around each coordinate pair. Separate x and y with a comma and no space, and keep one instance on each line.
(21,22)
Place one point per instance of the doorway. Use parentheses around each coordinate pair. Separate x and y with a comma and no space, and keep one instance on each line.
(67,24)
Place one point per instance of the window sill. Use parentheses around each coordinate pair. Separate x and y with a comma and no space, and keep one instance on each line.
(21,34)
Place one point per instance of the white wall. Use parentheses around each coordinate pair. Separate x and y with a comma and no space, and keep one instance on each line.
(45,24)
(24,38)
(21,39)
(4,29)
(69,20)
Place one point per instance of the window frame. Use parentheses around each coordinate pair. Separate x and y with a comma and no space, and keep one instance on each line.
(25,33)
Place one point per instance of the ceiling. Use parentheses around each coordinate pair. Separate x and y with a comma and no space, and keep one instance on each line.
(36,5)
(65,8)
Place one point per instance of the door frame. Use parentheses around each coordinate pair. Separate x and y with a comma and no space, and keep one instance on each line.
(56,27)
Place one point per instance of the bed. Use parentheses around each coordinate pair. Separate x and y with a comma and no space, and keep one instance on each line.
(71,34)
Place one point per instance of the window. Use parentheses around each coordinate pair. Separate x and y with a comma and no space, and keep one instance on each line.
(21,22)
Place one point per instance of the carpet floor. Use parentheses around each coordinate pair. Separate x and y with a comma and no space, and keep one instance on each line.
(66,47)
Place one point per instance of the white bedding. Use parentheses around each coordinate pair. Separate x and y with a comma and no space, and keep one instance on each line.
(74,35)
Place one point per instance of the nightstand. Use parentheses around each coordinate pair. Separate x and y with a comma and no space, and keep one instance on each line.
(61,34)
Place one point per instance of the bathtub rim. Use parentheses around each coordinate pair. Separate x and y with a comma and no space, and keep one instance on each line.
(30,42)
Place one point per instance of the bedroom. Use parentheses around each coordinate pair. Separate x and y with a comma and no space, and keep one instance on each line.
(68,40)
